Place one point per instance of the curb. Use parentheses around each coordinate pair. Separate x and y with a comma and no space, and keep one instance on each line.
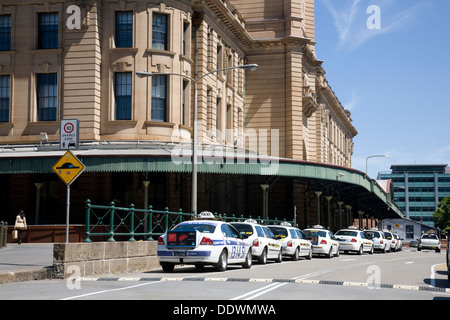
(298,281)
(26,275)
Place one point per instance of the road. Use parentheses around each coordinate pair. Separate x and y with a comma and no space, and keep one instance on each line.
(405,275)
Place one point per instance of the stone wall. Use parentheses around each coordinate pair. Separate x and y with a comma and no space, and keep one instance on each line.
(102,258)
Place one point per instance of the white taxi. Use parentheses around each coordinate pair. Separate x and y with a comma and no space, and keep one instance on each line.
(323,241)
(264,244)
(399,242)
(391,239)
(380,242)
(204,242)
(351,239)
(295,244)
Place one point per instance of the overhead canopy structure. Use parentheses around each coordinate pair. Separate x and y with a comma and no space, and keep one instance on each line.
(350,186)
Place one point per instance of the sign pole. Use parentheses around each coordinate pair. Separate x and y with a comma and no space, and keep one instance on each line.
(68,168)
(67,213)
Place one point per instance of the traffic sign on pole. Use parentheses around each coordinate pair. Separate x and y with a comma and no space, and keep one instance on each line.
(69,134)
(68,168)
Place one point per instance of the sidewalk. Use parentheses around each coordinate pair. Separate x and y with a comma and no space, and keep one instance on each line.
(26,262)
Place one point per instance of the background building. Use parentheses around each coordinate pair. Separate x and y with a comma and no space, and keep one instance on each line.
(79,60)
(418,189)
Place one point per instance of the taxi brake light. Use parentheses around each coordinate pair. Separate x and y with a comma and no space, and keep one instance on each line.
(381,242)
(354,240)
(160,241)
(206,241)
(256,243)
(289,244)
(323,241)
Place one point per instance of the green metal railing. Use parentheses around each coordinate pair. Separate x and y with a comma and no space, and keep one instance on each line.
(129,223)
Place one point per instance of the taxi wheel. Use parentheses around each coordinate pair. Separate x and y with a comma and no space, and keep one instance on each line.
(309,256)
(263,257)
(337,253)
(295,256)
(371,250)
(280,257)
(448,273)
(167,267)
(330,253)
(360,251)
(223,262)
(248,260)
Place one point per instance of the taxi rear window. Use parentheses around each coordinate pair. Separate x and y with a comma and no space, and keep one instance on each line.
(347,233)
(373,234)
(243,228)
(429,236)
(279,232)
(204,228)
(315,233)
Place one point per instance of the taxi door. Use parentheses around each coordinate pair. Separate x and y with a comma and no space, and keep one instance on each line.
(304,243)
(367,243)
(234,243)
(273,244)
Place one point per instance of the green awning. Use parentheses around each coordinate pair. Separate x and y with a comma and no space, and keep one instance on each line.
(356,182)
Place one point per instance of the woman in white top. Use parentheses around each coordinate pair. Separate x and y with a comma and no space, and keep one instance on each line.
(21,224)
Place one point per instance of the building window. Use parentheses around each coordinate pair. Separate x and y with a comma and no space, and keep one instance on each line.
(47,96)
(5,32)
(48,30)
(160,32)
(218,118)
(219,57)
(409,231)
(124,29)
(122,95)
(159,98)
(185,102)
(185,38)
(5,86)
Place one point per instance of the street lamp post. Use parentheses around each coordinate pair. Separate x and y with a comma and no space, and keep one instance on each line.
(374,156)
(142,74)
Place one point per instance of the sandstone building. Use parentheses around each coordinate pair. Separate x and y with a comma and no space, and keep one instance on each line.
(79,60)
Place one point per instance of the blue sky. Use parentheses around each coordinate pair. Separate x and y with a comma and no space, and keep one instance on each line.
(393,77)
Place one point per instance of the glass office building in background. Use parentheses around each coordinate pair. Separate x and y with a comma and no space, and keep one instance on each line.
(418,189)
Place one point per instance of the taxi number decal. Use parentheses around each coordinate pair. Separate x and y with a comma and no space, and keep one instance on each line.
(237,252)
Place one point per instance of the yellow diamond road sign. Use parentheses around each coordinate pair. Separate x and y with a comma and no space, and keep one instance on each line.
(68,168)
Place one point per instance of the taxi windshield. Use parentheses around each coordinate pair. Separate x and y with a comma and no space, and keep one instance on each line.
(200,227)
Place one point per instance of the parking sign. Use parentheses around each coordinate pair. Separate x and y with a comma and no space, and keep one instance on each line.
(69,132)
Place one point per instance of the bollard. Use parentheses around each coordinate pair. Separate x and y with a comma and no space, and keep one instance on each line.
(3,234)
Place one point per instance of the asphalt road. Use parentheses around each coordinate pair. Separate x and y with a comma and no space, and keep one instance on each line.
(405,275)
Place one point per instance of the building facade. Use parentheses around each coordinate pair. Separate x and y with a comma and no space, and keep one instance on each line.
(418,189)
(79,60)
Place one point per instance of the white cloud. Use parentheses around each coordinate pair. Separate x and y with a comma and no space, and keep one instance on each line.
(350,19)
(354,101)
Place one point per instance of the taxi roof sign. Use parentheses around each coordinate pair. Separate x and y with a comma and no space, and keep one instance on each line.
(68,168)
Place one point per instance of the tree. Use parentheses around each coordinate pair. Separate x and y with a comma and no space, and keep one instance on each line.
(442,215)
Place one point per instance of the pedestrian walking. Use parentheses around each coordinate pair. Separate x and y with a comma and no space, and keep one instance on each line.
(20,225)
